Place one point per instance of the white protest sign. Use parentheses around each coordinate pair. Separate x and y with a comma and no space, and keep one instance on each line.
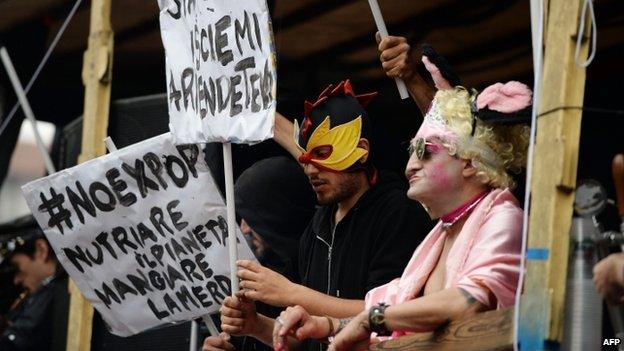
(220,65)
(142,231)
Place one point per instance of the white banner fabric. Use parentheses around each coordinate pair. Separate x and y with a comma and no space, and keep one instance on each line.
(220,66)
(142,231)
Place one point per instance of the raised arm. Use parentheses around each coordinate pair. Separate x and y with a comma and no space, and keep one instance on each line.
(396,60)
(283,135)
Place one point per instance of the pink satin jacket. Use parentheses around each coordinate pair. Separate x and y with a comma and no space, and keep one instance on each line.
(484,260)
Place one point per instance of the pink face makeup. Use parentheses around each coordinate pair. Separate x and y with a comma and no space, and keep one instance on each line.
(439,176)
(432,148)
(431,171)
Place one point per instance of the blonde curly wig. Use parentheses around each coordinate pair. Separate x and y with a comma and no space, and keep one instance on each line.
(506,145)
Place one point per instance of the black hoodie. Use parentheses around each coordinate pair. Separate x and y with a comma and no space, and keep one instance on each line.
(276,200)
(369,247)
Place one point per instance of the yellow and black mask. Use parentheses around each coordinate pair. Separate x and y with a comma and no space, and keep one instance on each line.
(332,128)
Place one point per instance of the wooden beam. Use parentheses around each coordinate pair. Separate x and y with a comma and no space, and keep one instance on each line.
(553,178)
(138,30)
(308,13)
(486,331)
(517,41)
(96,77)
(36,12)
(305,14)
(421,24)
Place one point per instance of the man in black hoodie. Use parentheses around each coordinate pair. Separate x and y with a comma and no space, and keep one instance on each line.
(275,204)
(362,236)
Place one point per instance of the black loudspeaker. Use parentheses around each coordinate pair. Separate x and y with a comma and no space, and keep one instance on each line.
(131,120)
(136,119)
(69,144)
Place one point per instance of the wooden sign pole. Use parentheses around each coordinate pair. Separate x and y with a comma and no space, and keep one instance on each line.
(96,76)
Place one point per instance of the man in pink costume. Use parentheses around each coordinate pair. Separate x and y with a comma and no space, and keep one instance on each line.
(459,169)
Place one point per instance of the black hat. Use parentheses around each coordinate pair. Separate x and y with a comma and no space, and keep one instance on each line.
(19,235)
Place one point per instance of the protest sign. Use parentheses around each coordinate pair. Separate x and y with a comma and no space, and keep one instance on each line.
(141,231)
(220,67)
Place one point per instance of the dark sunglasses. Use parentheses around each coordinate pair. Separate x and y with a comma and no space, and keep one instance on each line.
(419,147)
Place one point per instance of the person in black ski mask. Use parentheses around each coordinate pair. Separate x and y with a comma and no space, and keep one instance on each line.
(275,203)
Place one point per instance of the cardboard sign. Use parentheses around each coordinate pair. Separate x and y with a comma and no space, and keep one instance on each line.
(142,231)
(220,66)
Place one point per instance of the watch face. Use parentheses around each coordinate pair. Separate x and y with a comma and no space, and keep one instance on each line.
(378,318)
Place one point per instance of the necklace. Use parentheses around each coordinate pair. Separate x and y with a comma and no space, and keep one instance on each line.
(460,212)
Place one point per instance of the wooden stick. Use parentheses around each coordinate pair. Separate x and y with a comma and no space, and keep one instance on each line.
(231,214)
(110,145)
(212,328)
(193,337)
(383,32)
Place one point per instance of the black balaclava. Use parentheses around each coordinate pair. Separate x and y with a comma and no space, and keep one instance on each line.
(276,200)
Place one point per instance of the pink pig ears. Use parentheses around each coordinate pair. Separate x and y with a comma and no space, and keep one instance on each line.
(505,104)
(438,79)
(441,71)
(506,98)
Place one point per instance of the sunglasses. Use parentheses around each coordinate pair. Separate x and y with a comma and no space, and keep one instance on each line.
(419,147)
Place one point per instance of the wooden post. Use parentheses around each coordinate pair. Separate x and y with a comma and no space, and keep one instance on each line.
(96,76)
(554,178)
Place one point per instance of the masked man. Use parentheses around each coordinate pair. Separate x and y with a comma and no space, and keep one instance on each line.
(459,170)
(361,236)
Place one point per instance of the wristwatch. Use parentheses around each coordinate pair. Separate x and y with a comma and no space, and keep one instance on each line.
(377,320)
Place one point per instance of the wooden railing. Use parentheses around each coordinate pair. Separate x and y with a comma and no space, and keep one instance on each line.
(492,330)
